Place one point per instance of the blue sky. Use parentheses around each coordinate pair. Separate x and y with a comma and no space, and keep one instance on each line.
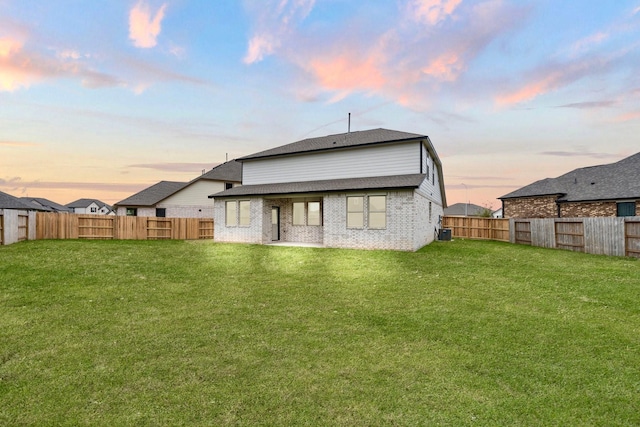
(101,99)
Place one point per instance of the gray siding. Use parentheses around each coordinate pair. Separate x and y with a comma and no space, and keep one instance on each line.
(377,160)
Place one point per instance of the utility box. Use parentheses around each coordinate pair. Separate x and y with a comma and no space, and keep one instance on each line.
(445,234)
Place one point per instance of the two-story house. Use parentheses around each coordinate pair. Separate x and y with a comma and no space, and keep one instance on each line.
(89,206)
(374,189)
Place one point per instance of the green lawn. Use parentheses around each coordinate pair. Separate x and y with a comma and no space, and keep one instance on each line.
(195,333)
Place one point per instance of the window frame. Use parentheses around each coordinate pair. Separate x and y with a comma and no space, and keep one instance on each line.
(131,212)
(319,217)
(244,221)
(359,212)
(299,217)
(231,216)
(624,205)
(371,211)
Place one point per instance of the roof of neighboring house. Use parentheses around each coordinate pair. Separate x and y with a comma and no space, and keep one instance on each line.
(230,171)
(45,204)
(342,140)
(153,195)
(324,186)
(85,203)
(7,201)
(614,181)
(462,209)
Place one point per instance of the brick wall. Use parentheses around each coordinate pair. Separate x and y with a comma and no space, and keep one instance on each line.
(409,226)
(591,209)
(531,207)
(238,234)
(398,234)
(546,207)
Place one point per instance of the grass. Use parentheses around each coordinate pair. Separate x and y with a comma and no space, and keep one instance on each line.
(196,333)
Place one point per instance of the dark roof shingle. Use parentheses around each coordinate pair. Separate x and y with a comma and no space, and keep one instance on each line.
(324,186)
(331,142)
(619,180)
(152,195)
(7,201)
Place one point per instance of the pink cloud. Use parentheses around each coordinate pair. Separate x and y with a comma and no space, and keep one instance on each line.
(445,67)
(555,76)
(143,27)
(275,21)
(259,47)
(432,11)
(16,68)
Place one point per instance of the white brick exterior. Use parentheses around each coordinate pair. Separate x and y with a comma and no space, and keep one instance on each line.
(408,223)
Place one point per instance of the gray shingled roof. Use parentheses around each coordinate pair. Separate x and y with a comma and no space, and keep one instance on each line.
(84,203)
(324,186)
(614,181)
(230,171)
(7,201)
(45,204)
(332,142)
(468,209)
(150,196)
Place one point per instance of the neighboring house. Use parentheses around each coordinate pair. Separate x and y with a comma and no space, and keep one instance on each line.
(465,209)
(374,189)
(597,191)
(45,204)
(89,206)
(497,213)
(7,201)
(182,199)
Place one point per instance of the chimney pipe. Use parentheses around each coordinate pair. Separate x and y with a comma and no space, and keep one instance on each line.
(349,125)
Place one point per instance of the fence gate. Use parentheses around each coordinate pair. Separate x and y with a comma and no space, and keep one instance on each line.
(523,232)
(570,235)
(632,238)
(23,227)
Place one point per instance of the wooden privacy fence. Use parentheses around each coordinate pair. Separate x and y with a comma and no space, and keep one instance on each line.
(477,228)
(72,226)
(605,236)
(618,236)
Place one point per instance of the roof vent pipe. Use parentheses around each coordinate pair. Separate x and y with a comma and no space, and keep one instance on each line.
(349,124)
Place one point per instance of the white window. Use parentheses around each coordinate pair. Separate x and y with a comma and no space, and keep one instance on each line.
(245,212)
(355,212)
(314,217)
(231,214)
(298,213)
(377,211)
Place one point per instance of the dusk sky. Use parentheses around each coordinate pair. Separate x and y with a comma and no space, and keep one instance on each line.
(100,99)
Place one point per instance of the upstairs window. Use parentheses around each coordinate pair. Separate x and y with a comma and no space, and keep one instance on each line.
(228,185)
